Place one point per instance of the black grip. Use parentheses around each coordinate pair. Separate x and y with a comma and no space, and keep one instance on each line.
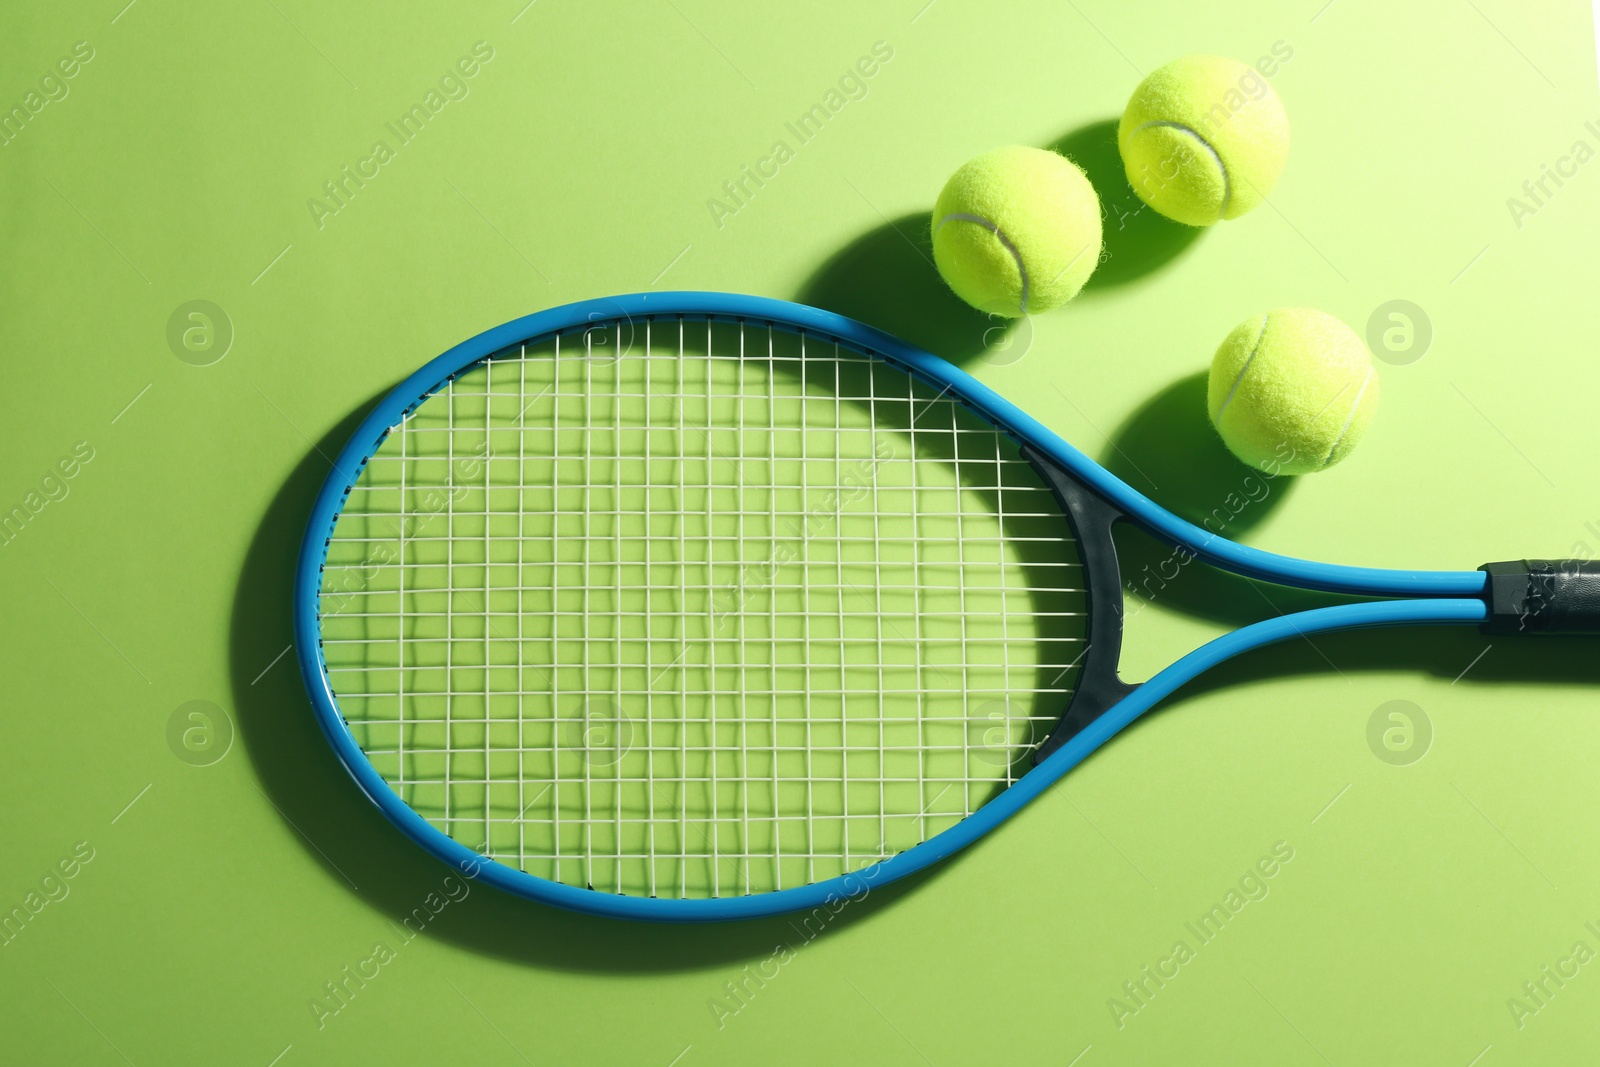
(1558,596)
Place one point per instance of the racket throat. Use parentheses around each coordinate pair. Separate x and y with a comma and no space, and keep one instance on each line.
(1099,687)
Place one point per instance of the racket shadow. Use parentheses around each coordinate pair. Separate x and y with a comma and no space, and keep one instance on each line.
(357,848)
(1457,654)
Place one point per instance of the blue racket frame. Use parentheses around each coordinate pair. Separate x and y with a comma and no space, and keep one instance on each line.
(1430,598)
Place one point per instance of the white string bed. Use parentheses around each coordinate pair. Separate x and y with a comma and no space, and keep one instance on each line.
(686,608)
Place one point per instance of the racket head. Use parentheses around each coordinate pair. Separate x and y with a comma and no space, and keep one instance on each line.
(848,869)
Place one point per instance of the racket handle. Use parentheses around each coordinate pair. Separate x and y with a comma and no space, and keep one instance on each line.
(1543,596)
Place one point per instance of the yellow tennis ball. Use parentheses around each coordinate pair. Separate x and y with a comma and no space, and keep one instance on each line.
(1292,391)
(1017,230)
(1204,139)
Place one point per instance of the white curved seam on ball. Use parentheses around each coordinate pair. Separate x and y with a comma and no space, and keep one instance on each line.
(1227,185)
(1343,389)
(1004,240)
(1351,418)
(1251,358)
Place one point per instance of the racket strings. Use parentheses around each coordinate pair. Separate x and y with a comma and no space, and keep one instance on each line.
(688,608)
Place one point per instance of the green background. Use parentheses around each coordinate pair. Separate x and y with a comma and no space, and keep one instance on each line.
(221,898)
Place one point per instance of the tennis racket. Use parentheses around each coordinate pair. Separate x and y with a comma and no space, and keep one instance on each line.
(694,606)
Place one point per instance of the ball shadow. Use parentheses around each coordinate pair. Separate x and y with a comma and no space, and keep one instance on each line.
(1138,239)
(886,278)
(349,838)
(1168,450)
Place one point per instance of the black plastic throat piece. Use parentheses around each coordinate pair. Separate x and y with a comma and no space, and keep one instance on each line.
(1091,518)
(1543,596)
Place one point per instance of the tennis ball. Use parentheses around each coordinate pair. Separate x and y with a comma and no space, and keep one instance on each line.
(1292,391)
(1203,139)
(1017,230)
